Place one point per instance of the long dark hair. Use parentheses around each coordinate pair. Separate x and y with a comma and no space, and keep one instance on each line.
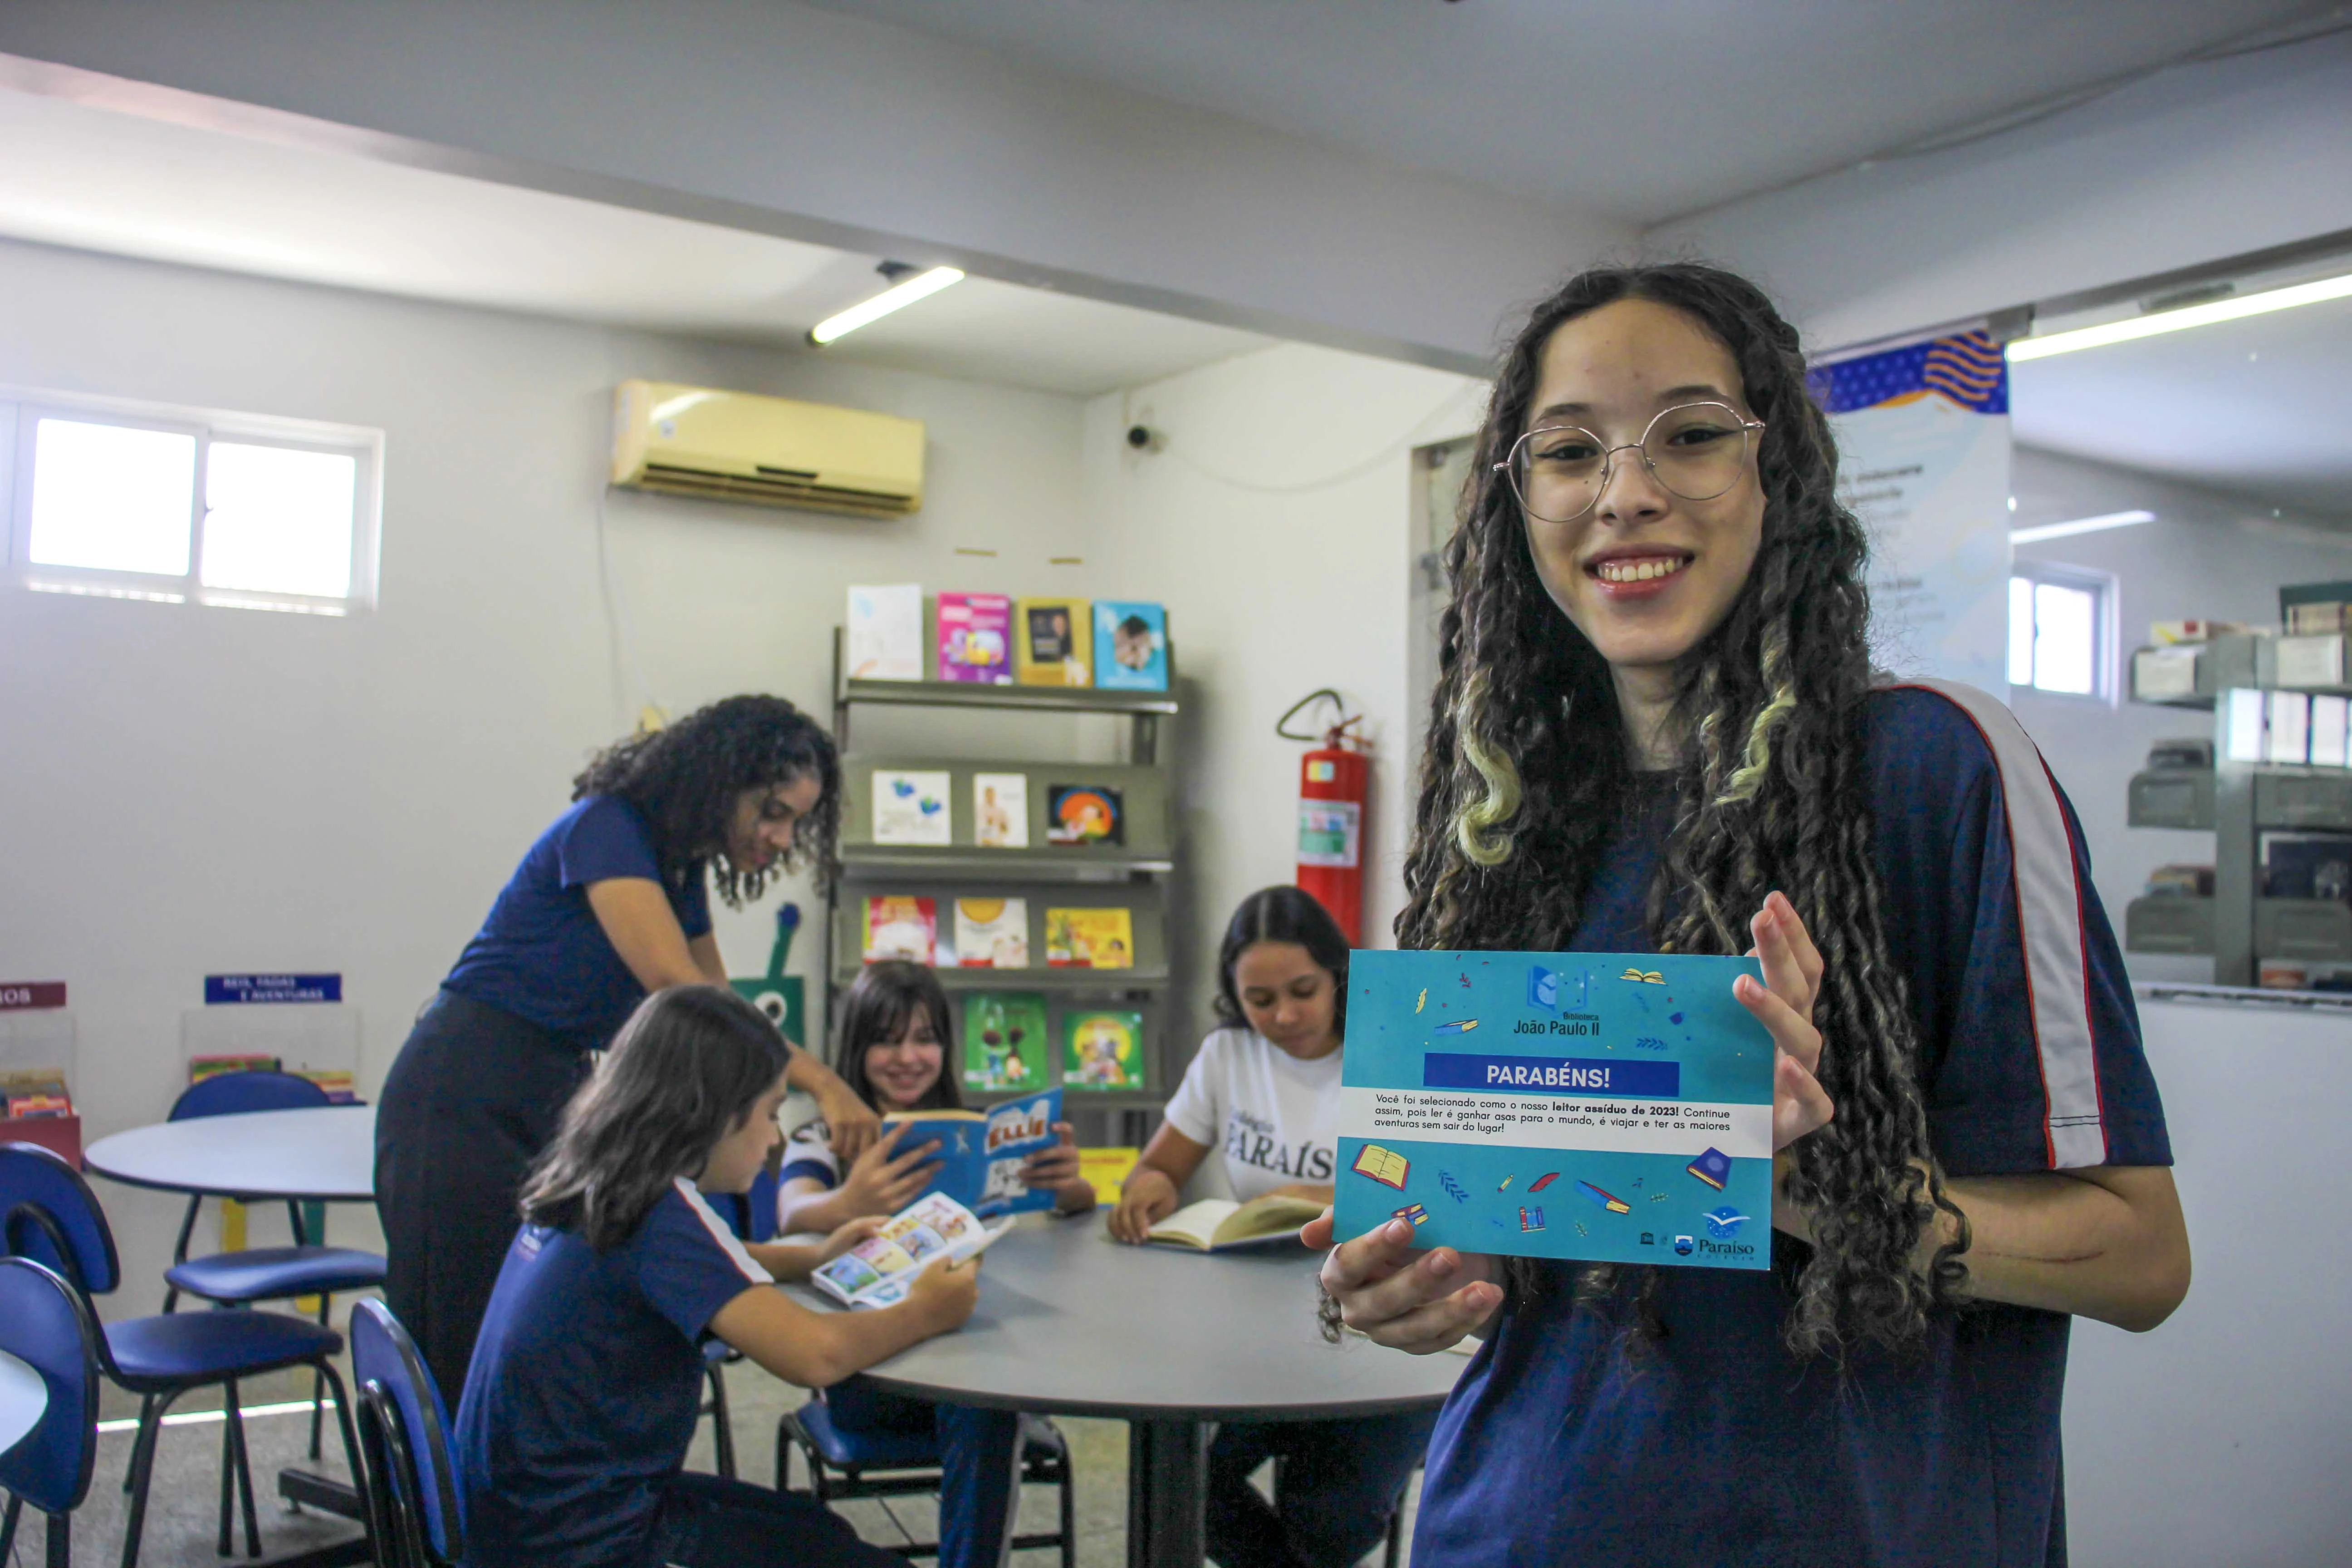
(875,1013)
(1282,913)
(1526,776)
(689,1065)
(685,779)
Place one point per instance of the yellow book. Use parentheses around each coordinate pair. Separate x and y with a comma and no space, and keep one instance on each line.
(1089,939)
(1106,1169)
(1053,643)
(1213,1224)
(1383,1165)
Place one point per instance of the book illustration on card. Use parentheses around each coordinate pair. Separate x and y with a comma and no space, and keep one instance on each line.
(1000,811)
(1131,646)
(911,808)
(1051,643)
(899,925)
(1081,814)
(981,1152)
(1492,1093)
(1003,1039)
(991,934)
(884,632)
(976,639)
(1103,1050)
(1089,939)
(1220,1225)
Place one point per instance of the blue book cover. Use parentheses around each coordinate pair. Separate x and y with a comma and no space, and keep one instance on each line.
(1609,1108)
(982,1152)
(1131,646)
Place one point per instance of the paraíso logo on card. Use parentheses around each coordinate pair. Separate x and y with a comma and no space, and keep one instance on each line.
(1723,1223)
(1684,1246)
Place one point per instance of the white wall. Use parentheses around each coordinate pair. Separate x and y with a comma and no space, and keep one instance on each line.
(193,791)
(845,131)
(2207,555)
(2182,168)
(1276,527)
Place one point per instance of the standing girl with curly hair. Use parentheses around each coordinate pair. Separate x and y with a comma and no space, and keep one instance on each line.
(611,903)
(1657,729)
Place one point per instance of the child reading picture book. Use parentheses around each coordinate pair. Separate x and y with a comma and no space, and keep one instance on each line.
(983,1156)
(877,1271)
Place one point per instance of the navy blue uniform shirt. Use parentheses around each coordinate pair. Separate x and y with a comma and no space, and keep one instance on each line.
(542,956)
(1563,1445)
(586,1385)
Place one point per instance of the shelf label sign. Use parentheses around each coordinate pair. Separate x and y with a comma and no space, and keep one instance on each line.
(22,996)
(221,989)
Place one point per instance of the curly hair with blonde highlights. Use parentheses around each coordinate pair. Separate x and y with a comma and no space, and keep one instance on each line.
(1527,777)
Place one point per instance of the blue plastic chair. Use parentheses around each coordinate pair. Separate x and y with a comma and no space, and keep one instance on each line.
(45,1325)
(49,1214)
(752,1216)
(414,1507)
(266,1273)
(909,1463)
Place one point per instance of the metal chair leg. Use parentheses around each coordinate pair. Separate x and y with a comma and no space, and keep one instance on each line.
(1070,1514)
(60,1540)
(8,1525)
(142,1470)
(317,1382)
(723,1423)
(244,1476)
(146,1408)
(227,1473)
(351,1443)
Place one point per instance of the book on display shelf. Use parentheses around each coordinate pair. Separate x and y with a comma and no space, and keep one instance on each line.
(1053,643)
(1079,814)
(1131,646)
(1103,1051)
(991,934)
(899,925)
(1089,939)
(1000,811)
(911,806)
(884,633)
(976,639)
(1004,1040)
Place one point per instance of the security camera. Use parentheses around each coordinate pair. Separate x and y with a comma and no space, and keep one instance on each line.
(1144,438)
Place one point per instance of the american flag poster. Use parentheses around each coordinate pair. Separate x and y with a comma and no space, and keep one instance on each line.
(1923,459)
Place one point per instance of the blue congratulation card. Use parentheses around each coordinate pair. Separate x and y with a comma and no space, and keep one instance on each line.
(1610,1107)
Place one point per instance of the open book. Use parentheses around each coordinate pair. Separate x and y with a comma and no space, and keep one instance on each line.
(878,1271)
(981,1152)
(1214,1225)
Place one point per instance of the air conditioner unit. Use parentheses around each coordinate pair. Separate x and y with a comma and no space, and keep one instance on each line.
(768,451)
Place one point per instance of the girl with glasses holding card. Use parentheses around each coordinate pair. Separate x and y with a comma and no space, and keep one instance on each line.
(1657,730)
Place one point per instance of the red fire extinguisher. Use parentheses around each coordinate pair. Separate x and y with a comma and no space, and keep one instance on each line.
(1332,788)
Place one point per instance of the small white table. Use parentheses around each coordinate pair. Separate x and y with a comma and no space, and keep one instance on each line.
(327,1153)
(24,1399)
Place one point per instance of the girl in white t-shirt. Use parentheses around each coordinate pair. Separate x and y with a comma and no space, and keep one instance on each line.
(1265,1089)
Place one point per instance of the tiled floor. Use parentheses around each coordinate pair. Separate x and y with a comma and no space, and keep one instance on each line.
(182,1505)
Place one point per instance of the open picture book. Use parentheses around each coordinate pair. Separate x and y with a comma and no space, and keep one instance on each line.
(981,1152)
(1219,1225)
(878,1271)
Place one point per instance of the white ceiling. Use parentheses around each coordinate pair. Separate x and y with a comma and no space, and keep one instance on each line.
(1640,111)
(2260,407)
(102,181)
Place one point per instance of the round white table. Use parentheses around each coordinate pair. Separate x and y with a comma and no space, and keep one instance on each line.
(24,1399)
(1163,1338)
(327,1153)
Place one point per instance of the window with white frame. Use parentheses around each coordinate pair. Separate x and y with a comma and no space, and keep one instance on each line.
(2061,629)
(184,507)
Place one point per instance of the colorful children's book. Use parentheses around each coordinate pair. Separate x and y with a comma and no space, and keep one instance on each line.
(878,1271)
(1004,1040)
(1051,645)
(884,633)
(911,808)
(1607,1108)
(202,1067)
(1000,811)
(976,639)
(981,1152)
(991,934)
(1106,1169)
(1131,646)
(1102,1051)
(1081,814)
(1220,1225)
(901,926)
(1089,939)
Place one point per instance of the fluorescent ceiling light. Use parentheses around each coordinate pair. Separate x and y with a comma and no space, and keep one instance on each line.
(2187,316)
(922,286)
(2099,525)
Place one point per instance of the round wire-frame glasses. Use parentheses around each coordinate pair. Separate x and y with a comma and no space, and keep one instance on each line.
(1696,450)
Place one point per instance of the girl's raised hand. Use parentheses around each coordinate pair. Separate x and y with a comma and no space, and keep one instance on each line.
(1417,1302)
(1056,1166)
(1784,1006)
(847,1237)
(883,1182)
